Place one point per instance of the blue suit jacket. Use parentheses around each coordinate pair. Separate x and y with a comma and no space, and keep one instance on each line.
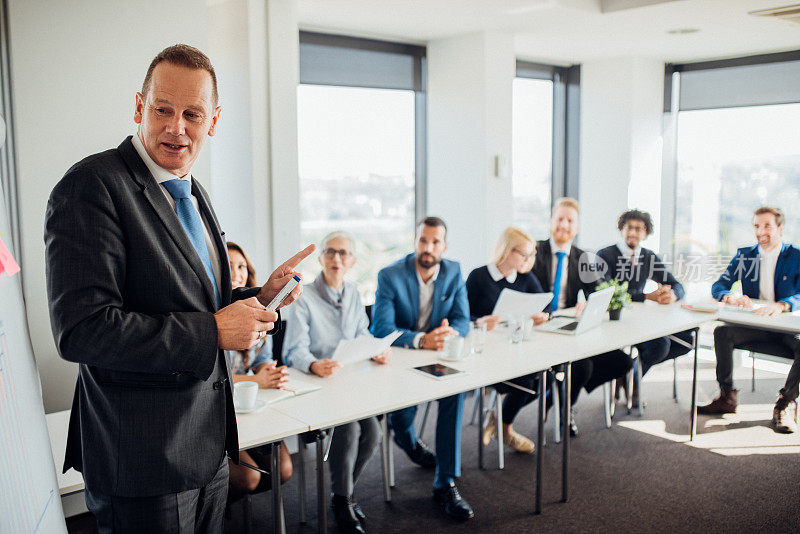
(397,300)
(745,266)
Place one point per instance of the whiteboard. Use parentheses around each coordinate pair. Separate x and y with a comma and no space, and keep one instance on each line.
(29,498)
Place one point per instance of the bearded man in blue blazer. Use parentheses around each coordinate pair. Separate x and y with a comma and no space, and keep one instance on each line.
(769,271)
(424,297)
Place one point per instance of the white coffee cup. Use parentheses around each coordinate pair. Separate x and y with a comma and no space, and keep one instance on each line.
(245,395)
(527,328)
(453,348)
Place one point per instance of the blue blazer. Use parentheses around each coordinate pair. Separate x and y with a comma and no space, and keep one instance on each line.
(397,300)
(744,266)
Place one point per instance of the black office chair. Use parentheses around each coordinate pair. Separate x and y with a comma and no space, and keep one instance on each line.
(770,348)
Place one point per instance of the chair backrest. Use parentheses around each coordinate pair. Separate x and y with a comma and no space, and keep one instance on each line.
(277,344)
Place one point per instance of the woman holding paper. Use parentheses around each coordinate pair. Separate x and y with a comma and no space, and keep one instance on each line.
(331,311)
(510,269)
(256,365)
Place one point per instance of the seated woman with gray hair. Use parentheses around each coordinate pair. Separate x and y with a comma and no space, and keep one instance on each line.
(329,311)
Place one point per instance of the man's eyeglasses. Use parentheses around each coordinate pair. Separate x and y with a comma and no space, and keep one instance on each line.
(330,253)
(524,256)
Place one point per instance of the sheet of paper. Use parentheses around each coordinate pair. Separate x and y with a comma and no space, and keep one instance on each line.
(271,396)
(517,304)
(362,348)
(7,263)
(300,387)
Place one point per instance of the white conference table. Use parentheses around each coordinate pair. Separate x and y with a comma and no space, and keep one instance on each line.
(788,323)
(367,389)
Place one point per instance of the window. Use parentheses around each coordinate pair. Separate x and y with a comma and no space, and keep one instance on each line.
(361,158)
(532,149)
(736,147)
(356,164)
(731,161)
(545,141)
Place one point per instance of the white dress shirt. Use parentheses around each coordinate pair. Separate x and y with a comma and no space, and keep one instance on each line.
(631,254)
(425,305)
(162,175)
(562,296)
(496,275)
(766,272)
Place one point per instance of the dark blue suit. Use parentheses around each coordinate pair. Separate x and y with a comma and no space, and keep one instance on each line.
(648,266)
(397,308)
(744,267)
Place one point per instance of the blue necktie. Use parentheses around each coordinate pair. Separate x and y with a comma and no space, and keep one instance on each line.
(181,191)
(557,280)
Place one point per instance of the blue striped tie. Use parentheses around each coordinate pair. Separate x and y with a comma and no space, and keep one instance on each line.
(181,191)
(557,280)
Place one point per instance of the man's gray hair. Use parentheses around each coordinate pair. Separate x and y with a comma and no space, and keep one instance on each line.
(338,234)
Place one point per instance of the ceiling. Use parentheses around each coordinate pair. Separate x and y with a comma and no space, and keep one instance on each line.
(569,31)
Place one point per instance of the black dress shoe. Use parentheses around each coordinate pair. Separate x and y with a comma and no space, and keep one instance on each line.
(454,505)
(421,455)
(359,513)
(573,428)
(345,516)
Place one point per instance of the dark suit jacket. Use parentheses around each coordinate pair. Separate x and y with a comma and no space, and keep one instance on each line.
(542,265)
(397,300)
(745,266)
(131,303)
(648,267)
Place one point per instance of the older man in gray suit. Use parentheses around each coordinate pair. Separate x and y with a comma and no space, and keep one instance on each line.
(140,296)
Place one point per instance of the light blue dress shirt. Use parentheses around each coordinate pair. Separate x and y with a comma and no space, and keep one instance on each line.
(319,320)
(260,353)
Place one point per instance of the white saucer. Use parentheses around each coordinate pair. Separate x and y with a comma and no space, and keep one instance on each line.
(259,405)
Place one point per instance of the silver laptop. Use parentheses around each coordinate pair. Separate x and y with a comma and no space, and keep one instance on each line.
(591,317)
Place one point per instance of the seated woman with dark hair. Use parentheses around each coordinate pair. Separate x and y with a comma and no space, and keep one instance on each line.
(256,365)
(510,269)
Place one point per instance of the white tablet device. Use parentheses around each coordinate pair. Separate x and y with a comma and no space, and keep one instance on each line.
(438,371)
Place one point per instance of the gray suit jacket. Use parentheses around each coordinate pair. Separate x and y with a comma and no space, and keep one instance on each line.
(131,303)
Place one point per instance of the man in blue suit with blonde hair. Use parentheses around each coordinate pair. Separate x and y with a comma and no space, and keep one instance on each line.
(769,271)
(424,297)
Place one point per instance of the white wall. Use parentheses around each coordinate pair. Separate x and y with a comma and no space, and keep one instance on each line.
(254,46)
(75,70)
(621,128)
(76,67)
(469,122)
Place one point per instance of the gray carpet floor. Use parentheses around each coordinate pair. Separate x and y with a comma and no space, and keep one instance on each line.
(641,475)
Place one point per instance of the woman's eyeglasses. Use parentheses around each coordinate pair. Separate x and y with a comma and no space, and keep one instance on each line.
(524,256)
(330,253)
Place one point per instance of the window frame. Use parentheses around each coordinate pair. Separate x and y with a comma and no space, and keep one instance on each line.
(672,108)
(8,161)
(565,165)
(417,82)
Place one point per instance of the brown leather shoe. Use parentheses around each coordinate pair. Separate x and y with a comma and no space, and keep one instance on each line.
(784,416)
(726,402)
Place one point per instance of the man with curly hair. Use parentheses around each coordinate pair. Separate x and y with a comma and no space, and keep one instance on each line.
(629,262)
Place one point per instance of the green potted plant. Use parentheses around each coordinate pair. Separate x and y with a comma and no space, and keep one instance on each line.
(619,299)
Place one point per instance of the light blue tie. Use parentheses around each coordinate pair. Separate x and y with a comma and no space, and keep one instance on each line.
(181,191)
(557,280)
